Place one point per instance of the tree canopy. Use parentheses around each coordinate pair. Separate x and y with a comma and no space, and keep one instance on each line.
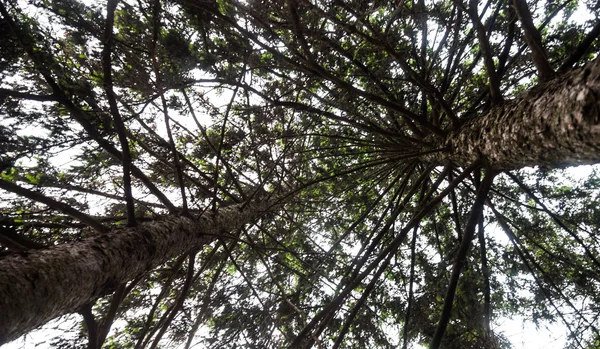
(299,173)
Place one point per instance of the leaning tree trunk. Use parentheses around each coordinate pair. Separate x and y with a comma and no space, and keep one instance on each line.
(554,124)
(40,285)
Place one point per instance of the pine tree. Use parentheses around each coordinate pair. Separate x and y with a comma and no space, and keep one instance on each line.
(298,173)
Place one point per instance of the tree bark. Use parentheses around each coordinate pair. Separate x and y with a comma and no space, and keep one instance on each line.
(40,285)
(555,124)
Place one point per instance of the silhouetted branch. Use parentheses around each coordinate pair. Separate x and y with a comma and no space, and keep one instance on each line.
(176,307)
(59,206)
(581,49)
(24,95)
(16,242)
(77,114)
(91,325)
(416,219)
(176,163)
(556,219)
(486,51)
(413,256)
(534,41)
(114,110)
(461,256)
(485,269)
(513,239)
(166,287)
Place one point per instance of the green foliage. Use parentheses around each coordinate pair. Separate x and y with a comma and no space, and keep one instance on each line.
(341,109)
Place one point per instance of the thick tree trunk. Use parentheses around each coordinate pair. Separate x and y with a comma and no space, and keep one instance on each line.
(40,285)
(554,124)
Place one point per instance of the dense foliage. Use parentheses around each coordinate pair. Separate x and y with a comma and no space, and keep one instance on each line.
(115,114)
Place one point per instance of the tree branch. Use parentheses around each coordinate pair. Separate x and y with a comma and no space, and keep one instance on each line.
(114,110)
(513,239)
(156,68)
(581,49)
(91,325)
(534,41)
(335,303)
(178,302)
(556,219)
(166,287)
(77,114)
(24,95)
(461,256)
(485,270)
(413,257)
(486,51)
(59,206)
(16,242)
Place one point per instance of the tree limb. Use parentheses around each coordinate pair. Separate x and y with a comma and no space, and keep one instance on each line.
(461,256)
(534,41)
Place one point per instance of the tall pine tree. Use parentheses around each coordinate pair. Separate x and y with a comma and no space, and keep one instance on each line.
(295,173)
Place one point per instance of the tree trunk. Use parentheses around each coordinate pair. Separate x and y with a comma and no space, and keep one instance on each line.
(555,124)
(40,285)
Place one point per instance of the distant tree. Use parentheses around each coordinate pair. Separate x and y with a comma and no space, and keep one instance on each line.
(299,173)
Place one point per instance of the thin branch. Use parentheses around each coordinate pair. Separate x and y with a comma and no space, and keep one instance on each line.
(416,219)
(508,42)
(214,149)
(71,187)
(413,255)
(166,286)
(114,110)
(77,114)
(179,302)
(455,214)
(388,252)
(59,206)
(513,239)
(24,95)
(177,164)
(485,270)
(454,52)
(400,58)
(91,325)
(581,49)
(164,143)
(320,71)
(556,219)
(397,210)
(16,242)
(248,281)
(106,324)
(406,174)
(547,278)
(516,57)
(461,256)
(365,295)
(442,43)
(205,302)
(222,139)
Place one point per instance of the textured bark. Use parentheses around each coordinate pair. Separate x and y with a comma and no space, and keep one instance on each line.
(555,124)
(40,285)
